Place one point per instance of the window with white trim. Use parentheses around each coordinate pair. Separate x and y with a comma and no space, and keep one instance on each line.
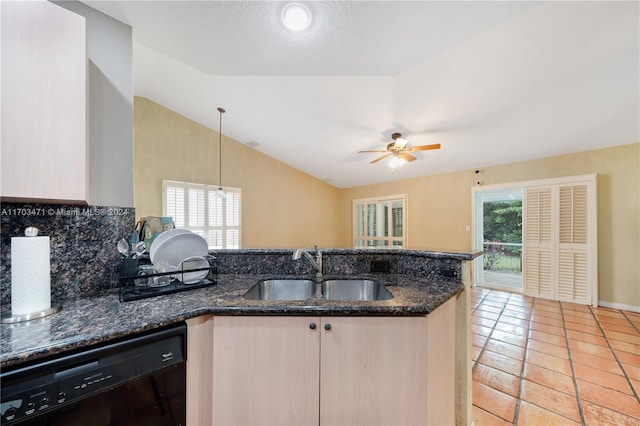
(380,222)
(196,207)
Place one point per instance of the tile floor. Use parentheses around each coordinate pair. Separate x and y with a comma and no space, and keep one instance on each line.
(541,362)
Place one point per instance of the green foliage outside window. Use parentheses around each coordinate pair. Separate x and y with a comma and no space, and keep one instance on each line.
(502,224)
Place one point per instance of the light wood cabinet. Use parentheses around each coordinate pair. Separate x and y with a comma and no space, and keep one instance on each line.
(265,370)
(44,136)
(294,370)
(199,370)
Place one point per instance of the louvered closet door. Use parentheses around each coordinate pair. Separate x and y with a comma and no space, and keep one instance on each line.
(574,280)
(538,266)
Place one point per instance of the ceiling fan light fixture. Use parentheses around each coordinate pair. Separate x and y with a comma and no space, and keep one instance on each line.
(296,17)
(396,162)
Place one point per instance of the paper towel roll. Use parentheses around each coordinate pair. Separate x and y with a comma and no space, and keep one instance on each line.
(30,275)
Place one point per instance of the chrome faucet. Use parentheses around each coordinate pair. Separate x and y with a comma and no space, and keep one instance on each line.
(317,263)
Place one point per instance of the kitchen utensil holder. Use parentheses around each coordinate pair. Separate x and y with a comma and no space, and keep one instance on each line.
(129,291)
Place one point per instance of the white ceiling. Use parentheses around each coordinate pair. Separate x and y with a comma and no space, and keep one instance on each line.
(492,82)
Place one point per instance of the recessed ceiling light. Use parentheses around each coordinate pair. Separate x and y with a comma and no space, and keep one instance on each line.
(296,17)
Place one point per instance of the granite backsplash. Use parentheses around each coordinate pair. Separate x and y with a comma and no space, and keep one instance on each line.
(84,259)
(431,264)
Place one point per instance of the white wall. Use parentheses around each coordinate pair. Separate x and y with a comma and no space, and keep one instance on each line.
(110,116)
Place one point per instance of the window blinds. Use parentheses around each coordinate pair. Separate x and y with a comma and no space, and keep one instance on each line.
(197,208)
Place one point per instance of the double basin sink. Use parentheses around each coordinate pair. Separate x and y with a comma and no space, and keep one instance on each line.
(299,289)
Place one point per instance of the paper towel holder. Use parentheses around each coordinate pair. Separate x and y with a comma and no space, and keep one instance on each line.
(7,318)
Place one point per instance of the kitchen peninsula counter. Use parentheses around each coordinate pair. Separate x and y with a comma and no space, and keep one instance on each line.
(92,320)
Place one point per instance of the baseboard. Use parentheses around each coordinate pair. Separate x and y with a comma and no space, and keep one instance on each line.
(621,306)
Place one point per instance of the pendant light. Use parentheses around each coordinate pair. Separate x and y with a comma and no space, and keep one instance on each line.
(220,192)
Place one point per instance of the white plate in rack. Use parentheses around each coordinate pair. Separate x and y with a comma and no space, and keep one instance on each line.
(161,238)
(193,262)
(178,246)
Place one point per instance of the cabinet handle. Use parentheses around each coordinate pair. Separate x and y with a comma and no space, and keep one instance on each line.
(327,327)
(312,326)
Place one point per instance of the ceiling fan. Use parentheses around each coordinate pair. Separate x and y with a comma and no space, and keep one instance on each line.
(400,151)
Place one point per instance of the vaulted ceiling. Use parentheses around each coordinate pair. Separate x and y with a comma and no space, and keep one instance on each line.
(492,82)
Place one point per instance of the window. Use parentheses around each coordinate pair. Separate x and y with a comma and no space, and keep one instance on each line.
(380,222)
(196,207)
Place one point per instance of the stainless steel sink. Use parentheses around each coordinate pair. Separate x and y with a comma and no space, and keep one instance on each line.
(354,290)
(281,290)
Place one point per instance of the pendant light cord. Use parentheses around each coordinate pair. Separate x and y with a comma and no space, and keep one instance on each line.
(221,110)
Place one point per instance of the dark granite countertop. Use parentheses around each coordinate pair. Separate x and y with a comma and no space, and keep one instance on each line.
(93,320)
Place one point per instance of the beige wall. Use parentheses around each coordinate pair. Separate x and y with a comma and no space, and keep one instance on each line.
(440,209)
(281,206)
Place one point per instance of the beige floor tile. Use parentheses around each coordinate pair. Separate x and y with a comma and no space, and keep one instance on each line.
(595,361)
(605,397)
(633,371)
(530,414)
(549,378)
(610,320)
(600,416)
(516,314)
(628,358)
(602,378)
(548,361)
(512,351)
(586,337)
(501,362)
(548,338)
(512,329)
(497,379)
(606,365)
(550,399)
(481,330)
(556,322)
(624,337)
(514,321)
(484,418)
(592,349)
(549,329)
(629,329)
(509,338)
(619,345)
(548,348)
(591,329)
(498,403)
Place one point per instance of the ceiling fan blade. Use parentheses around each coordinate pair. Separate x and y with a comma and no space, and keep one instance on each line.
(380,158)
(407,157)
(379,150)
(424,147)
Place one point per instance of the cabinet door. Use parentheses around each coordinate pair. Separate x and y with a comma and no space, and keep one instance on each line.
(44,149)
(374,371)
(199,369)
(265,370)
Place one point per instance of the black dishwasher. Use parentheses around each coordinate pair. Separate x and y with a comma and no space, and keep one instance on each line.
(139,380)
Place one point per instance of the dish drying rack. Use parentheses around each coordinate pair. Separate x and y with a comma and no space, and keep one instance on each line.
(130,291)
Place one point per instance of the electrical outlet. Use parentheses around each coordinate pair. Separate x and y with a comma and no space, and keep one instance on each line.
(448,272)
(380,266)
